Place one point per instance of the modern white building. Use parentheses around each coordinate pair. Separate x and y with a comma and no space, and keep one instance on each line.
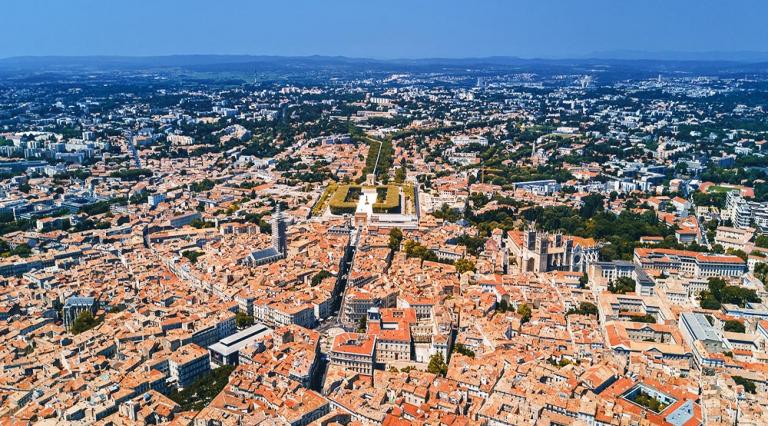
(465,140)
(690,263)
(744,213)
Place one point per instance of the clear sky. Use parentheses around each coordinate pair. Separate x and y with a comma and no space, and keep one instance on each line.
(380,29)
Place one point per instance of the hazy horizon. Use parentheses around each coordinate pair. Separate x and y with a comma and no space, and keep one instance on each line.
(628,55)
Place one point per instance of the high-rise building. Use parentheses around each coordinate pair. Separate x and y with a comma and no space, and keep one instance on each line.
(744,213)
(279,241)
(279,247)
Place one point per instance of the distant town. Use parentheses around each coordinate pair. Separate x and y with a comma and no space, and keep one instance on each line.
(349,244)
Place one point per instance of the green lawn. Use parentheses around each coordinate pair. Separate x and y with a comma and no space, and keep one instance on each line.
(718,188)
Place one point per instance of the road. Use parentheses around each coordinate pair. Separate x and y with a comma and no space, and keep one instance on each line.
(343,283)
(134,154)
(378,155)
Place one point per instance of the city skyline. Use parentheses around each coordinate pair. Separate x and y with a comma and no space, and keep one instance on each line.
(355,213)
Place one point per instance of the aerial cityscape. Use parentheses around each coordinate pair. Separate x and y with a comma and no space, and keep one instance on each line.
(257,238)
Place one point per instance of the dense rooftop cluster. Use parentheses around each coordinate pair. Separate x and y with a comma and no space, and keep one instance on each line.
(482,246)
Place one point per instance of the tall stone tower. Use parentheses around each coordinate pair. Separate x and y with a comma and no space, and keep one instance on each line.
(540,252)
(530,238)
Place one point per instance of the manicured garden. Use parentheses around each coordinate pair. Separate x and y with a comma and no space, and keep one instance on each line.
(342,201)
(345,198)
(387,200)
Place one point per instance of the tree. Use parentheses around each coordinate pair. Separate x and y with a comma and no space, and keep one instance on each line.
(243,320)
(739,253)
(84,321)
(525,313)
(395,238)
(400,174)
(132,174)
(749,385)
(585,308)
(464,265)
(707,301)
(21,250)
(200,393)
(647,318)
(761,272)
(650,402)
(200,224)
(473,244)
(415,249)
(409,246)
(622,285)
(203,185)
(591,205)
(719,292)
(437,365)
(460,348)
(583,280)
(734,326)
(739,296)
(319,277)
(716,286)
(362,325)
(762,241)
(192,255)
(447,213)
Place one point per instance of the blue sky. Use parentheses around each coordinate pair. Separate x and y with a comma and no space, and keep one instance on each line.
(380,29)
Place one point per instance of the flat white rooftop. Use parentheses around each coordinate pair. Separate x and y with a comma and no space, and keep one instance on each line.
(239,340)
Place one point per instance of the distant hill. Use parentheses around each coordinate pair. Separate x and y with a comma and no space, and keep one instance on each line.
(619,60)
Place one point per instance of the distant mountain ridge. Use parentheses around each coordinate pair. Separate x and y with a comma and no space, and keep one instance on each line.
(723,61)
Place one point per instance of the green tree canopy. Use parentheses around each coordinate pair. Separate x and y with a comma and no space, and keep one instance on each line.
(464,265)
(749,385)
(622,285)
(525,312)
(734,326)
(437,365)
(84,321)
(319,277)
(395,238)
(719,292)
(243,320)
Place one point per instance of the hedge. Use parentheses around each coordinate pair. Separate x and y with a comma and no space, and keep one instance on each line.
(338,203)
(409,194)
(391,203)
(318,209)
